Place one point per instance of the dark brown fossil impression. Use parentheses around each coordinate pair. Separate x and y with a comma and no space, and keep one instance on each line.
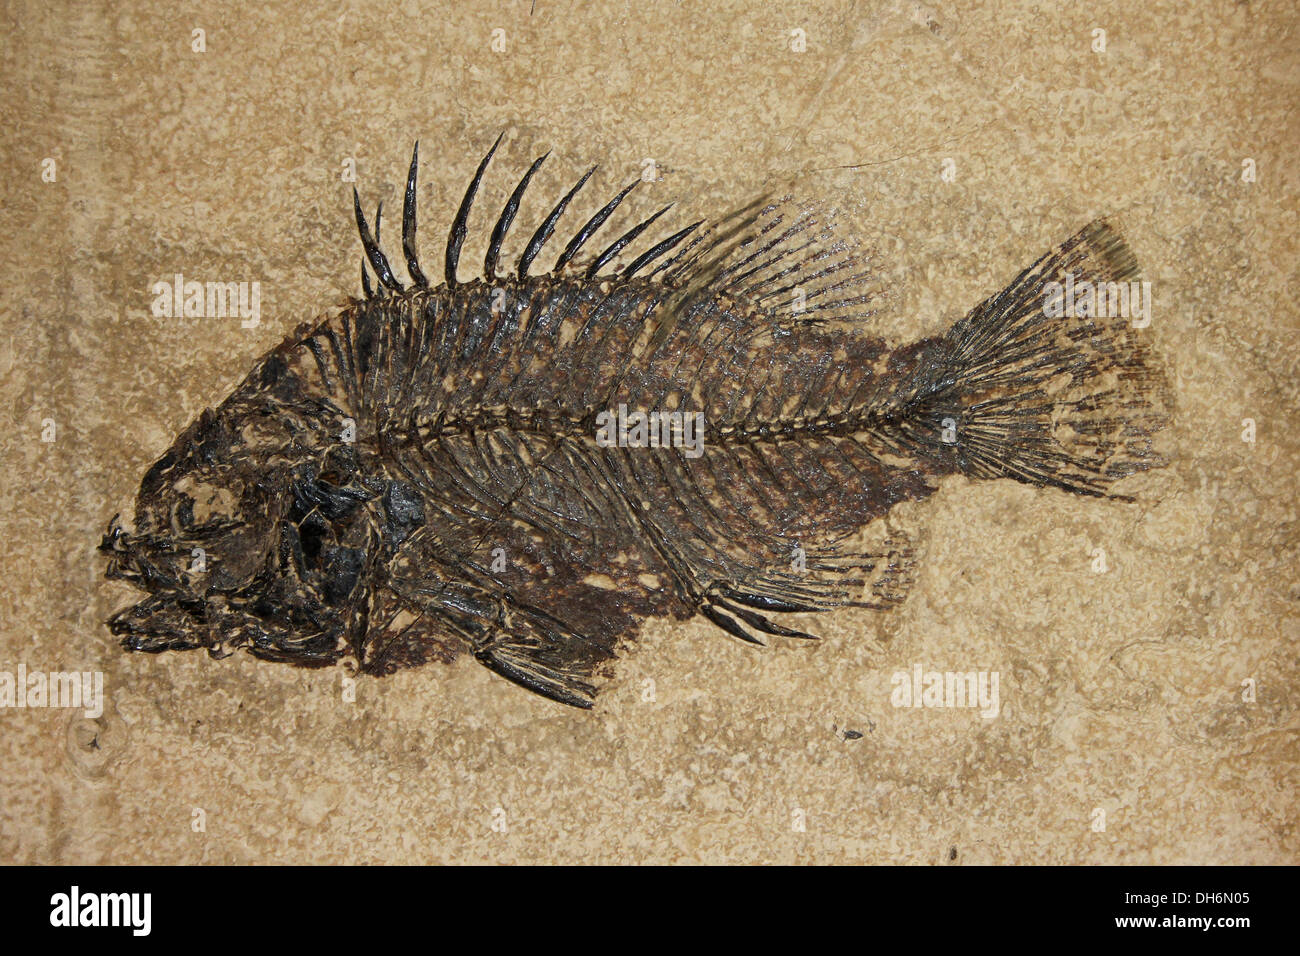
(526,466)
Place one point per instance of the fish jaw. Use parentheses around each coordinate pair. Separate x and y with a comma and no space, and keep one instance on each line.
(161,622)
(169,618)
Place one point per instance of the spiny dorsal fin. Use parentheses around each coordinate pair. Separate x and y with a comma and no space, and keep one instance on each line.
(594,223)
(662,248)
(547,227)
(459,227)
(507,217)
(378,261)
(619,244)
(767,251)
(408,223)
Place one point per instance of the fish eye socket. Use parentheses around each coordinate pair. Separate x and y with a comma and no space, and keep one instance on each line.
(199,507)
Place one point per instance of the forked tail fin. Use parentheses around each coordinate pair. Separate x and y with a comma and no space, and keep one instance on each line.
(1050,381)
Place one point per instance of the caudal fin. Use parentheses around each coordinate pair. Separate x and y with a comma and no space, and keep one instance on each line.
(1049,381)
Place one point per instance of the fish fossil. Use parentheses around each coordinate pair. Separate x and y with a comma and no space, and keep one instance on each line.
(449,468)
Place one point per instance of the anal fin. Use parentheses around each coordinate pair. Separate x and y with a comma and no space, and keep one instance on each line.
(875,570)
(545,655)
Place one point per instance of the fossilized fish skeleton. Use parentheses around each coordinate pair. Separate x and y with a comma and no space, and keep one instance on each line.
(526,466)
